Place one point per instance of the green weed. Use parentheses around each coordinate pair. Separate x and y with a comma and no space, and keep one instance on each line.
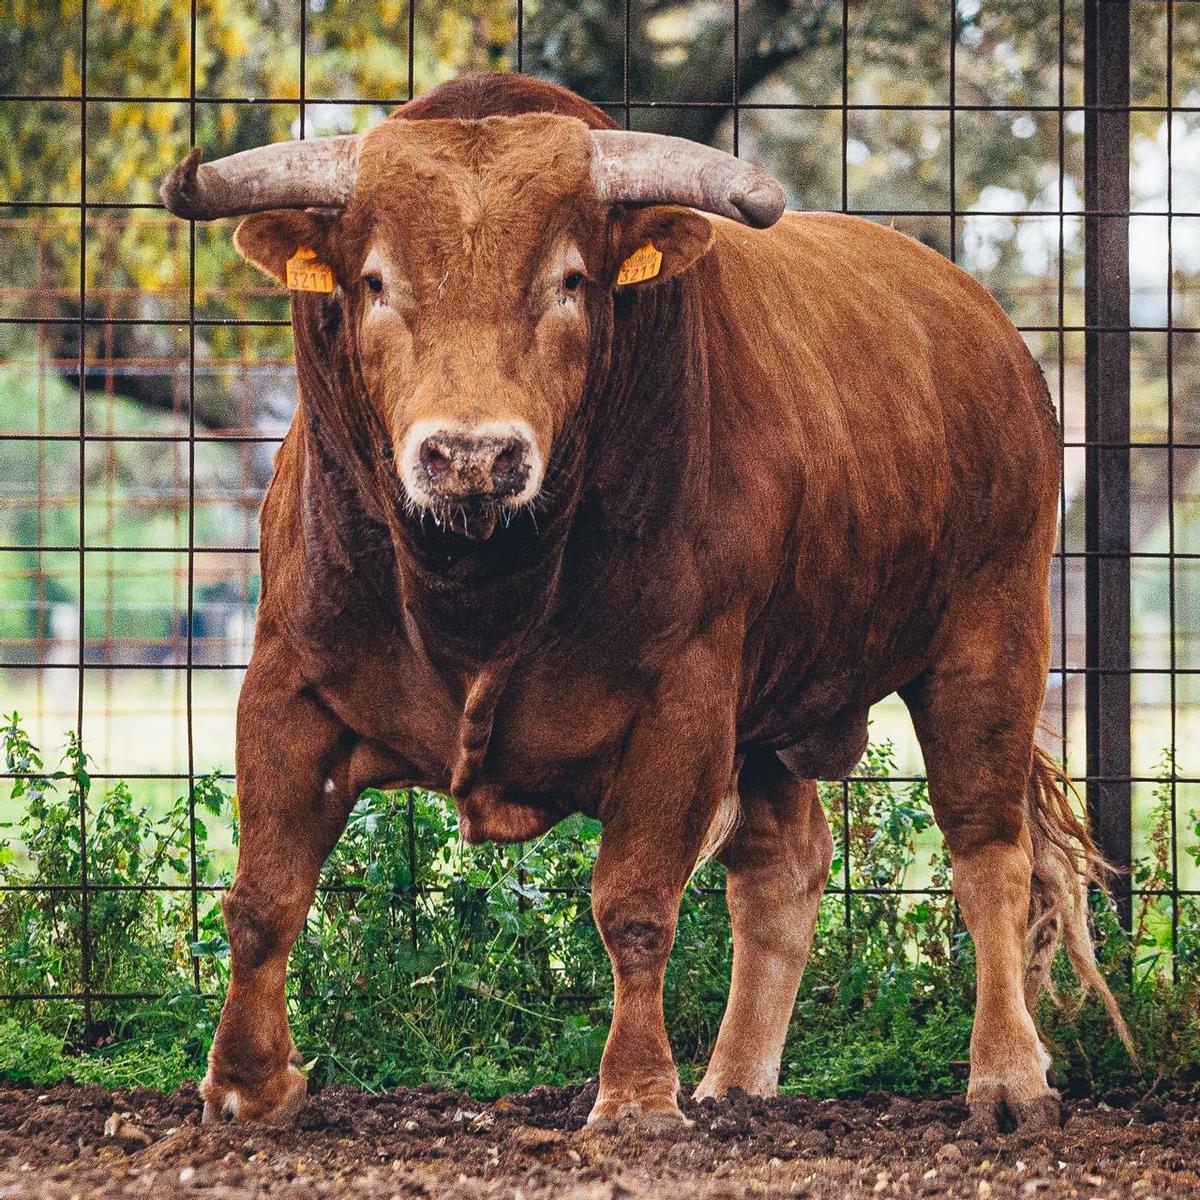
(425,960)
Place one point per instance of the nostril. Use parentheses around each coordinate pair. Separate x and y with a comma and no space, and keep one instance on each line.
(434,458)
(508,459)
(510,467)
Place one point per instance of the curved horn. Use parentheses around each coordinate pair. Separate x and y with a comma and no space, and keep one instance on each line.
(652,168)
(309,174)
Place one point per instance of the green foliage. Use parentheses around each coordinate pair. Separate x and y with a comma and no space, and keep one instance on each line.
(138,937)
(145,1062)
(897,1045)
(424,959)
(29,1054)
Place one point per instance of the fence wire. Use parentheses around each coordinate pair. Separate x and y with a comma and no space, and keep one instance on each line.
(149,375)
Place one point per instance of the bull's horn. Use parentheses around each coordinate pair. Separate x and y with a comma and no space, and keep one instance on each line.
(652,168)
(309,174)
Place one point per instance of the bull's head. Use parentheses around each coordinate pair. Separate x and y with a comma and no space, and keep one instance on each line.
(475,260)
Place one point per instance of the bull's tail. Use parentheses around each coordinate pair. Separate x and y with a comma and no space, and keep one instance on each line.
(1065,862)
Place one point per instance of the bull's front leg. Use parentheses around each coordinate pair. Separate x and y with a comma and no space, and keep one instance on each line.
(675,773)
(294,798)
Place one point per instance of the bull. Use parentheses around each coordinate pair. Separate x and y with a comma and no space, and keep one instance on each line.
(614,489)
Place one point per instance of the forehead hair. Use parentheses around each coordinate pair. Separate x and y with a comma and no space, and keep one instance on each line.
(491,189)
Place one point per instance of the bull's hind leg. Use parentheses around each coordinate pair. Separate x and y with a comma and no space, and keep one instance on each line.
(778,863)
(975,714)
(293,802)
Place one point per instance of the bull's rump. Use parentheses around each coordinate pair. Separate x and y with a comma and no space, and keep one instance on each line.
(898,446)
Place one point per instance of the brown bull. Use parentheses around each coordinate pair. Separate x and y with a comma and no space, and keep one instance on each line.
(647,547)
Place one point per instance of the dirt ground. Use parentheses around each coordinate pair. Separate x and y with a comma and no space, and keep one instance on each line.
(82,1142)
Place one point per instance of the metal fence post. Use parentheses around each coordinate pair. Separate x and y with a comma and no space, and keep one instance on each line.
(1106,200)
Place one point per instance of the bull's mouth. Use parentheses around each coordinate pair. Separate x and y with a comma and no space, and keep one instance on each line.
(473,517)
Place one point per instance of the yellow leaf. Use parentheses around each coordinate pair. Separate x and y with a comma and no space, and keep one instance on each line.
(71,81)
(159,118)
(233,42)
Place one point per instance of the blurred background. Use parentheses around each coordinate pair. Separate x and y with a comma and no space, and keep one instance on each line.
(145,371)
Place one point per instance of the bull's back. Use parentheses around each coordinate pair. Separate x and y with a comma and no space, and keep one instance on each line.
(882,362)
(896,436)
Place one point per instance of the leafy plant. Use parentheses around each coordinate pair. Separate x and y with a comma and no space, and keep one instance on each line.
(425,960)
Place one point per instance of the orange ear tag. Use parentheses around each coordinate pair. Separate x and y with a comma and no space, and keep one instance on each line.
(641,265)
(306,274)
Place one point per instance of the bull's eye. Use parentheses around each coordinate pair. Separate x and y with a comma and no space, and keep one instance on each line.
(374,282)
(572,280)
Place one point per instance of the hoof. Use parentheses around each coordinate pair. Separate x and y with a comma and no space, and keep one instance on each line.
(275,1103)
(656,1115)
(718,1089)
(1002,1113)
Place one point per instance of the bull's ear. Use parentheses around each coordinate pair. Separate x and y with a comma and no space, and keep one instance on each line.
(655,244)
(268,239)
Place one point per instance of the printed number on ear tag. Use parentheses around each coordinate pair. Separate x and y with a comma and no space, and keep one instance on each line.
(641,265)
(306,274)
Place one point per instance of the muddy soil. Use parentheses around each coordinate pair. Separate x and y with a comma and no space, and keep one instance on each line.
(81,1142)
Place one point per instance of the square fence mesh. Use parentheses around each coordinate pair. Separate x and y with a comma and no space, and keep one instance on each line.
(1049,147)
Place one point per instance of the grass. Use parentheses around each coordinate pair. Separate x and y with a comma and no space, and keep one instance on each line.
(484,970)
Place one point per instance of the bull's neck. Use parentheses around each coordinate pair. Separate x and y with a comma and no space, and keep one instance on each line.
(474,603)
(648,467)
(628,484)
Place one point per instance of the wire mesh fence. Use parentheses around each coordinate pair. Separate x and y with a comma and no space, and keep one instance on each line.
(1050,148)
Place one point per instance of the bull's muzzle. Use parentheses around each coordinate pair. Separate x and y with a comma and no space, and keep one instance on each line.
(458,467)
(451,468)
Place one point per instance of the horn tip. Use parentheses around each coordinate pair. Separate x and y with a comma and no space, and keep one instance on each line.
(761,204)
(177,193)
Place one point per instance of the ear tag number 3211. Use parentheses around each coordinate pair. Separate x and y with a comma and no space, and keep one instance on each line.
(641,265)
(306,274)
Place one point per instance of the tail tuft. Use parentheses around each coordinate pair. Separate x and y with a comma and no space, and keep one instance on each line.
(1065,863)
